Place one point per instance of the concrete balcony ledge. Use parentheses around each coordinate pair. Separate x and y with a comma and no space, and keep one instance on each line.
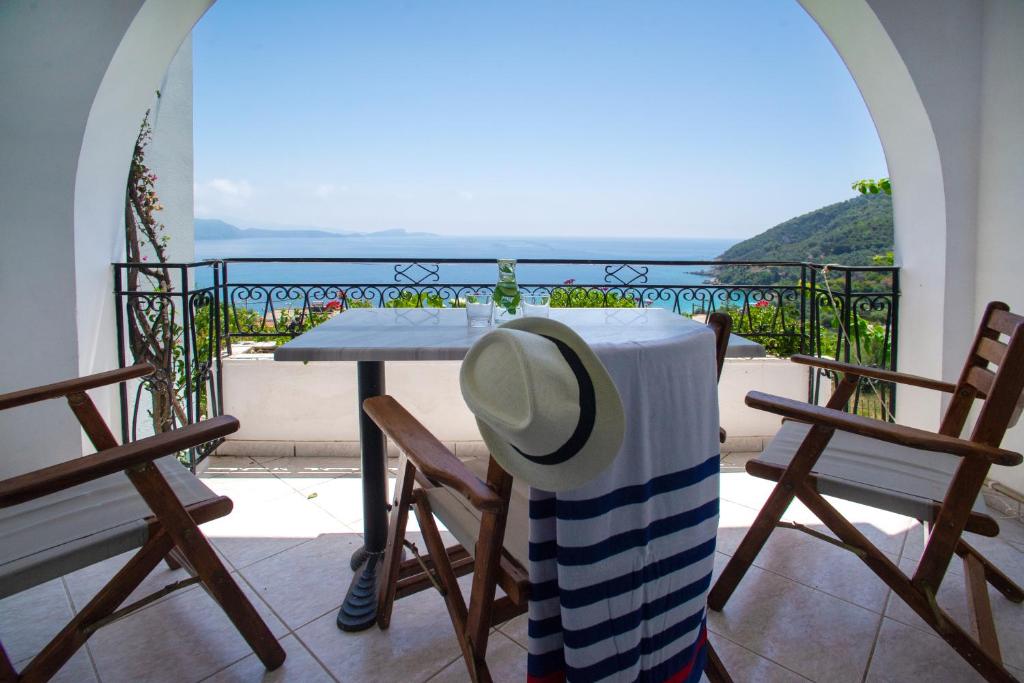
(296,409)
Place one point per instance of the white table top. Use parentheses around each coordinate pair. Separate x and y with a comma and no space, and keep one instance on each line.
(383,334)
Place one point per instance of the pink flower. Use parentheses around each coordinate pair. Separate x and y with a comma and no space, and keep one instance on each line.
(763,304)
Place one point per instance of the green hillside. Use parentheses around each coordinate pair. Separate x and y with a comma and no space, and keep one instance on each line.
(849,233)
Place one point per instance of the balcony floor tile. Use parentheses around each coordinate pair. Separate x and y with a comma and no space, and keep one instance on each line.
(185,638)
(745,665)
(28,620)
(318,576)
(802,629)
(506,660)
(805,611)
(299,666)
(418,645)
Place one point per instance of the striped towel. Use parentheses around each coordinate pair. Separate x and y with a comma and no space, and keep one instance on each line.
(620,568)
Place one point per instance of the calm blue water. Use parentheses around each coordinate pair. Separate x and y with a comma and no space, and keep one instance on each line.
(428,247)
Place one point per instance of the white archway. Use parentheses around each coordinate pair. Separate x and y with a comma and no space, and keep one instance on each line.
(919,207)
(79,79)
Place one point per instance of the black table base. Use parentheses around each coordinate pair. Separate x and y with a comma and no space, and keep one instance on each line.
(359,611)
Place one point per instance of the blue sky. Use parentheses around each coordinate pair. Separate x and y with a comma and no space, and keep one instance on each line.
(535,117)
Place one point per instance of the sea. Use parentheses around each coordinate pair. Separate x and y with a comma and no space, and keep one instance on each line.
(423,248)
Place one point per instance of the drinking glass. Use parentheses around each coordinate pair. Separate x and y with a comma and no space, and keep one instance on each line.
(537,305)
(478,309)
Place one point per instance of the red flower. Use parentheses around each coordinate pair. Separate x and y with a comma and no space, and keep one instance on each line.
(334,305)
(763,303)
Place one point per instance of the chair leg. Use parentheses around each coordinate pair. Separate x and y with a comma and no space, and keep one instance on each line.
(64,645)
(486,567)
(714,669)
(995,576)
(396,535)
(476,667)
(750,546)
(197,551)
(806,455)
(923,605)
(7,671)
(979,608)
(173,560)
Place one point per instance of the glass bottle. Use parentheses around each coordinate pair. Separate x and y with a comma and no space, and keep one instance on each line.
(506,292)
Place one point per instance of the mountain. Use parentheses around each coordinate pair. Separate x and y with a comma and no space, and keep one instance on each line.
(216,229)
(849,233)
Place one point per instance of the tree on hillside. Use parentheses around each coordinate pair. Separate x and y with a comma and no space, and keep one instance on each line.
(871,186)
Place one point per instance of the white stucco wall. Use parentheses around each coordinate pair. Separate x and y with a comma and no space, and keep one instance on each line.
(915,165)
(310,408)
(943,80)
(53,56)
(1000,225)
(170,155)
(76,79)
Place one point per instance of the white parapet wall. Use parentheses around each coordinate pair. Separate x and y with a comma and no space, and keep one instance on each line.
(309,409)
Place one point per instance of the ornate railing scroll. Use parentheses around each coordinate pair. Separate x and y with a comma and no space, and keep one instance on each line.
(189,380)
(854,318)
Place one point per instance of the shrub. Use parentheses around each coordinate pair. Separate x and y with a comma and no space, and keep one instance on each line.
(582,297)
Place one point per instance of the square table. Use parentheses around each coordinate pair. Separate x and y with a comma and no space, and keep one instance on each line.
(372,336)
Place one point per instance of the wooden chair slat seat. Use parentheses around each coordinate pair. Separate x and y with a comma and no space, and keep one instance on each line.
(887,476)
(74,528)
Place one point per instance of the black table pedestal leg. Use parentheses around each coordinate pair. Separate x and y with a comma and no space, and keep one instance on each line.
(359,611)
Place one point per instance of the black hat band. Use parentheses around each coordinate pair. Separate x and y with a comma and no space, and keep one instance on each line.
(588,409)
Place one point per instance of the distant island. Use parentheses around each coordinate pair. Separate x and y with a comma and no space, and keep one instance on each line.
(849,233)
(215,229)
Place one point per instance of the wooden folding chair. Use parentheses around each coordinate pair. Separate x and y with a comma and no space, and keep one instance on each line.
(80,512)
(933,477)
(721,324)
(486,511)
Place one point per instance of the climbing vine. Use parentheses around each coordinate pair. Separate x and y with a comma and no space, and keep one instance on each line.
(153,333)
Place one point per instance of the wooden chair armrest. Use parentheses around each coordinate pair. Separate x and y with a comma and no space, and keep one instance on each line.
(877,429)
(55,478)
(875,373)
(71,386)
(428,454)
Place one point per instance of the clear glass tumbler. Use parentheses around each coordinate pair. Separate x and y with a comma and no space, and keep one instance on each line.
(478,309)
(537,305)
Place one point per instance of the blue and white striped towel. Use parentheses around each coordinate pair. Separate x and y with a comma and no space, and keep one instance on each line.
(620,568)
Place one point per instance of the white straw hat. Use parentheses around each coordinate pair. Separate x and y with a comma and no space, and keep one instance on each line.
(546,407)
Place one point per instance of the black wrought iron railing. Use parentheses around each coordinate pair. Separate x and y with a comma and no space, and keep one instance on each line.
(177,330)
(847,313)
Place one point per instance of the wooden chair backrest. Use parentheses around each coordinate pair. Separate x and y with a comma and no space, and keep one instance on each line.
(999,388)
(993,372)
(721,324)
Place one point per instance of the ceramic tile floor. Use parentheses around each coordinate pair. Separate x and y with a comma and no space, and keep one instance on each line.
(807,611)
